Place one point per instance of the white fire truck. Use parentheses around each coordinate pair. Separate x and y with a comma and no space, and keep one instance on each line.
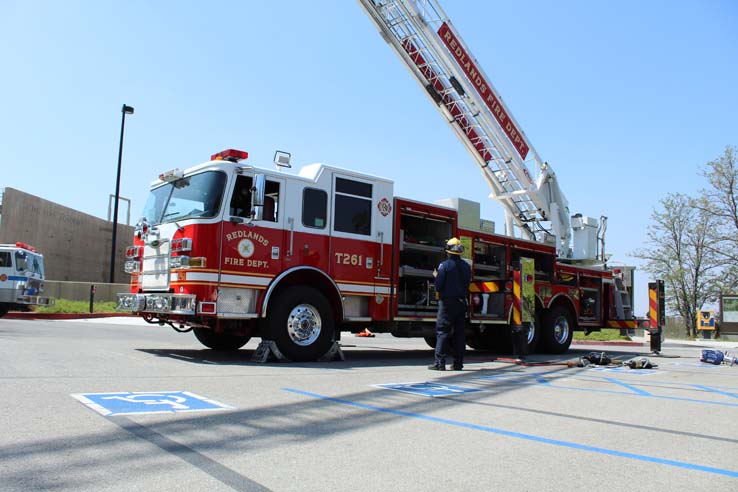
(232,250)
(21,278)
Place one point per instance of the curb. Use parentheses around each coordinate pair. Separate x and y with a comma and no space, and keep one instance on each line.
(32,315)
(623,343)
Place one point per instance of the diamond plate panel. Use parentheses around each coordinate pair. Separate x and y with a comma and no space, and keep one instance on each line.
(237,301)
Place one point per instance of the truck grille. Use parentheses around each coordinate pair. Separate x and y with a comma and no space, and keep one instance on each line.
(155,271)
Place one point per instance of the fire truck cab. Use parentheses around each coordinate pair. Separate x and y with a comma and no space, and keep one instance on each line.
(232,251)
(21,278)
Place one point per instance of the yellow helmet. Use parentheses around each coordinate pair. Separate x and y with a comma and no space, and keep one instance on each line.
(454,246)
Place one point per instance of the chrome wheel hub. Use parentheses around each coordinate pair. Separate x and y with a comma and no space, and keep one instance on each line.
(561,330)
(531,332)
(304,324)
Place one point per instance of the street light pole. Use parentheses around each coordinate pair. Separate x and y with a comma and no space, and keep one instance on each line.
(124,110)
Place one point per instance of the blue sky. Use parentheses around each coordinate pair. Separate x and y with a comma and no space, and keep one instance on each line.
(625,99)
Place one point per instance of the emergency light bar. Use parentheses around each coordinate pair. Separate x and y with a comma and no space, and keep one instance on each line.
(25,246)
(171,175)
(231,155)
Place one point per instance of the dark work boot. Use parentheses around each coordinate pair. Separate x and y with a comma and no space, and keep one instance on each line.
(434,367)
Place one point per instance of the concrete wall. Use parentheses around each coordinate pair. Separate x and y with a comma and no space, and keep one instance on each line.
(80,291)
(76,246)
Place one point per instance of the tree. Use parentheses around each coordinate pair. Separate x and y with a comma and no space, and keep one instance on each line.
(679,252)
(720,199)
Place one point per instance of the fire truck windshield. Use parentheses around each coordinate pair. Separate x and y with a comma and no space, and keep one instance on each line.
(199,195)
(29,263)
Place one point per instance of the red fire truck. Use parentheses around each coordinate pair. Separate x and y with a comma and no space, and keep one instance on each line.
(234,251)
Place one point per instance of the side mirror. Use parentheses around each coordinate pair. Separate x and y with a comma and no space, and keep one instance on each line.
(257,196)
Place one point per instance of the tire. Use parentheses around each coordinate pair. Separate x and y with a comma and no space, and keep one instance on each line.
(534,332)
(220,341)
(431,341)
(301,324)
(558,330)
(475,341)
(501,340)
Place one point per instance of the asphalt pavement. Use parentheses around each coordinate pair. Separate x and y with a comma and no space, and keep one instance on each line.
(119,405)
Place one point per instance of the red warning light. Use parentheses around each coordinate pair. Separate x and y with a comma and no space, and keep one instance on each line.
(231,155)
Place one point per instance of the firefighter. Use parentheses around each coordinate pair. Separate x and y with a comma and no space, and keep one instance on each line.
(452,285)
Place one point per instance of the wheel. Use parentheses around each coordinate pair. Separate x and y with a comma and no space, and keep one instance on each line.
(491,340)
(484,341)
(220,341)
(556,334)
(431,341)
(475,341)
(501,340)
(534,332)
(301,323)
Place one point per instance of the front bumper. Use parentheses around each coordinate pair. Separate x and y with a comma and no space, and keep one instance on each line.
(159,303)
(35,301)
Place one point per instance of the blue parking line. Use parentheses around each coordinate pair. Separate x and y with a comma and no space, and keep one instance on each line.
(629,386)
(714,390)
(535,380)
(518,435)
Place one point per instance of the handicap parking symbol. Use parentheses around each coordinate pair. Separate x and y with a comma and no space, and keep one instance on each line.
(128,403)
(428,388)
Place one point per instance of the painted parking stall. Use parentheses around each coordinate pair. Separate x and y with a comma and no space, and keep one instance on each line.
(732,473)
(635,387)
(428,388)
(131,403)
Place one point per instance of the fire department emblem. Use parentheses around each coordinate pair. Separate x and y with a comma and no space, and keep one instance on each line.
(384,207)
(245,248)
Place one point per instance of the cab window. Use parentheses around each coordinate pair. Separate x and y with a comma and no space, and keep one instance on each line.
(353,207)
(314,208)
(241,199)
(271,202)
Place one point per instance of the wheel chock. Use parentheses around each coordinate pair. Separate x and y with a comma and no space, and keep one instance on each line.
(267,350)
(334,353)
(365,333)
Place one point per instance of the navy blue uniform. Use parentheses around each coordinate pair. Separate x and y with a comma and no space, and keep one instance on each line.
(452,285)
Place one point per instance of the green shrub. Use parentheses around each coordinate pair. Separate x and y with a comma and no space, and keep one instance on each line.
(605,335)
(67,306)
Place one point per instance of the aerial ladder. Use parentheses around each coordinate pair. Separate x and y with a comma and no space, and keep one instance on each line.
(535,208)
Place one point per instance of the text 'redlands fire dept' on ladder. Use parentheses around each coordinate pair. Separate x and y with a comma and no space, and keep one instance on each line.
(535,209)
